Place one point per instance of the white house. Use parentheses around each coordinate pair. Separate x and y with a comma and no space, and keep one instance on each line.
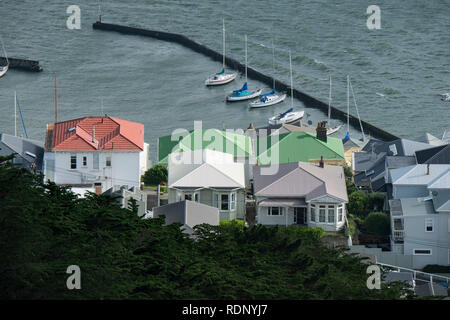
(420,213)
(301,193)
(104,151)
(208,177)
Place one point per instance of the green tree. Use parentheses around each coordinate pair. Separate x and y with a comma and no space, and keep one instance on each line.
(155,175)
(357,203)
(377,223)
(45,228)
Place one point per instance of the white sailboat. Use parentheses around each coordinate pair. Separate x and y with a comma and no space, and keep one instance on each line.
(289,115)
(4,69)
(270,98)
(221,77)
(350,87)
(244,93)
(334,129)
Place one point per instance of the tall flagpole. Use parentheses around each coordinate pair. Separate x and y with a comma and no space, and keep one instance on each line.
(348,105)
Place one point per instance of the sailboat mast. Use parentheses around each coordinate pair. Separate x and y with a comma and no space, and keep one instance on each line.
(292,86)
(357,113)
(273,65)
(15,113)
(223,63)
(329,103)
(245,58)
(348,105)
(56,102)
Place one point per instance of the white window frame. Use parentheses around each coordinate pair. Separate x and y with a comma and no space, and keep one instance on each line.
(340,215)
(423,254)
(280,212)
(218,205)
(76,162)
(324,208)
(333,208)
(427,221)
(193,194)
(108,158)
(83,162)
(311,210)
(233,201)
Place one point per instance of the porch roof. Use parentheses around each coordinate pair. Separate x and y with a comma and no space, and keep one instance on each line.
(282,202)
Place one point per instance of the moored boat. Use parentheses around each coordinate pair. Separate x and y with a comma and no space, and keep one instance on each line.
(221,77)
(244,93)
(287,117)
(270,98)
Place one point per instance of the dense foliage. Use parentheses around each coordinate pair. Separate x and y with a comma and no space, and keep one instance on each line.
(45,228)
(155,175)
(377,223)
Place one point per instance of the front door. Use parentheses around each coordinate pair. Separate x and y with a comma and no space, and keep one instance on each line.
(300,215)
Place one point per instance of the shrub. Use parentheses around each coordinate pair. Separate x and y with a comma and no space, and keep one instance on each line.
(357,203)
(375,201)
(377,223)
(236,223)
(155,175)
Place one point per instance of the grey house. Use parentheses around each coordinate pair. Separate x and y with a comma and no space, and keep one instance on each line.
(214,180)
(303,194)
(29,153)
(125,193)
(420,213)
(189,213)
(436,155)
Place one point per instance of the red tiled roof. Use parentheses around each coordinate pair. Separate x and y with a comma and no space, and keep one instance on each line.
(109,134)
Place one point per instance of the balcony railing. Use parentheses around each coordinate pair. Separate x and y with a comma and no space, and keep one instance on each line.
(397,236)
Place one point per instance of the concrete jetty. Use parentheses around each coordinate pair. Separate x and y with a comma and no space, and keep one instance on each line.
(307,99)
(22,64)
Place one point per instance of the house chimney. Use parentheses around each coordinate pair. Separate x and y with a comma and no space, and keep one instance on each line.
(321,163)
(321,131)
(98,188)
(93,134)
(428,169)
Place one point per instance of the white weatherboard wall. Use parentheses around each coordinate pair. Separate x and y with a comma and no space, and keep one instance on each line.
(126,167)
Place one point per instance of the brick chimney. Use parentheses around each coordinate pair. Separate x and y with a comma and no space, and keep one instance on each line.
(321,131)
(321,162)
(98,188)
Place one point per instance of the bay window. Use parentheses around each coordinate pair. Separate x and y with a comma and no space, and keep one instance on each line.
(313,213)
(322,214)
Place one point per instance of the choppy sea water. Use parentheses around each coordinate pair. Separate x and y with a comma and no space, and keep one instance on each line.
(397,72)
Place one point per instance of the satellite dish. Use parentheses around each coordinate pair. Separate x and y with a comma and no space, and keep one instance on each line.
(309,122)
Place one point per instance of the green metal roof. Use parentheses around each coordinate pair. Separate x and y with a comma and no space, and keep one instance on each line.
(236,144)
(298,146)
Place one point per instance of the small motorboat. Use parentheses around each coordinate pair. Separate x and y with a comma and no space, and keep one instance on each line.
(445,97)
(243,94)
(267,99)
(220,78)
(287,117)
